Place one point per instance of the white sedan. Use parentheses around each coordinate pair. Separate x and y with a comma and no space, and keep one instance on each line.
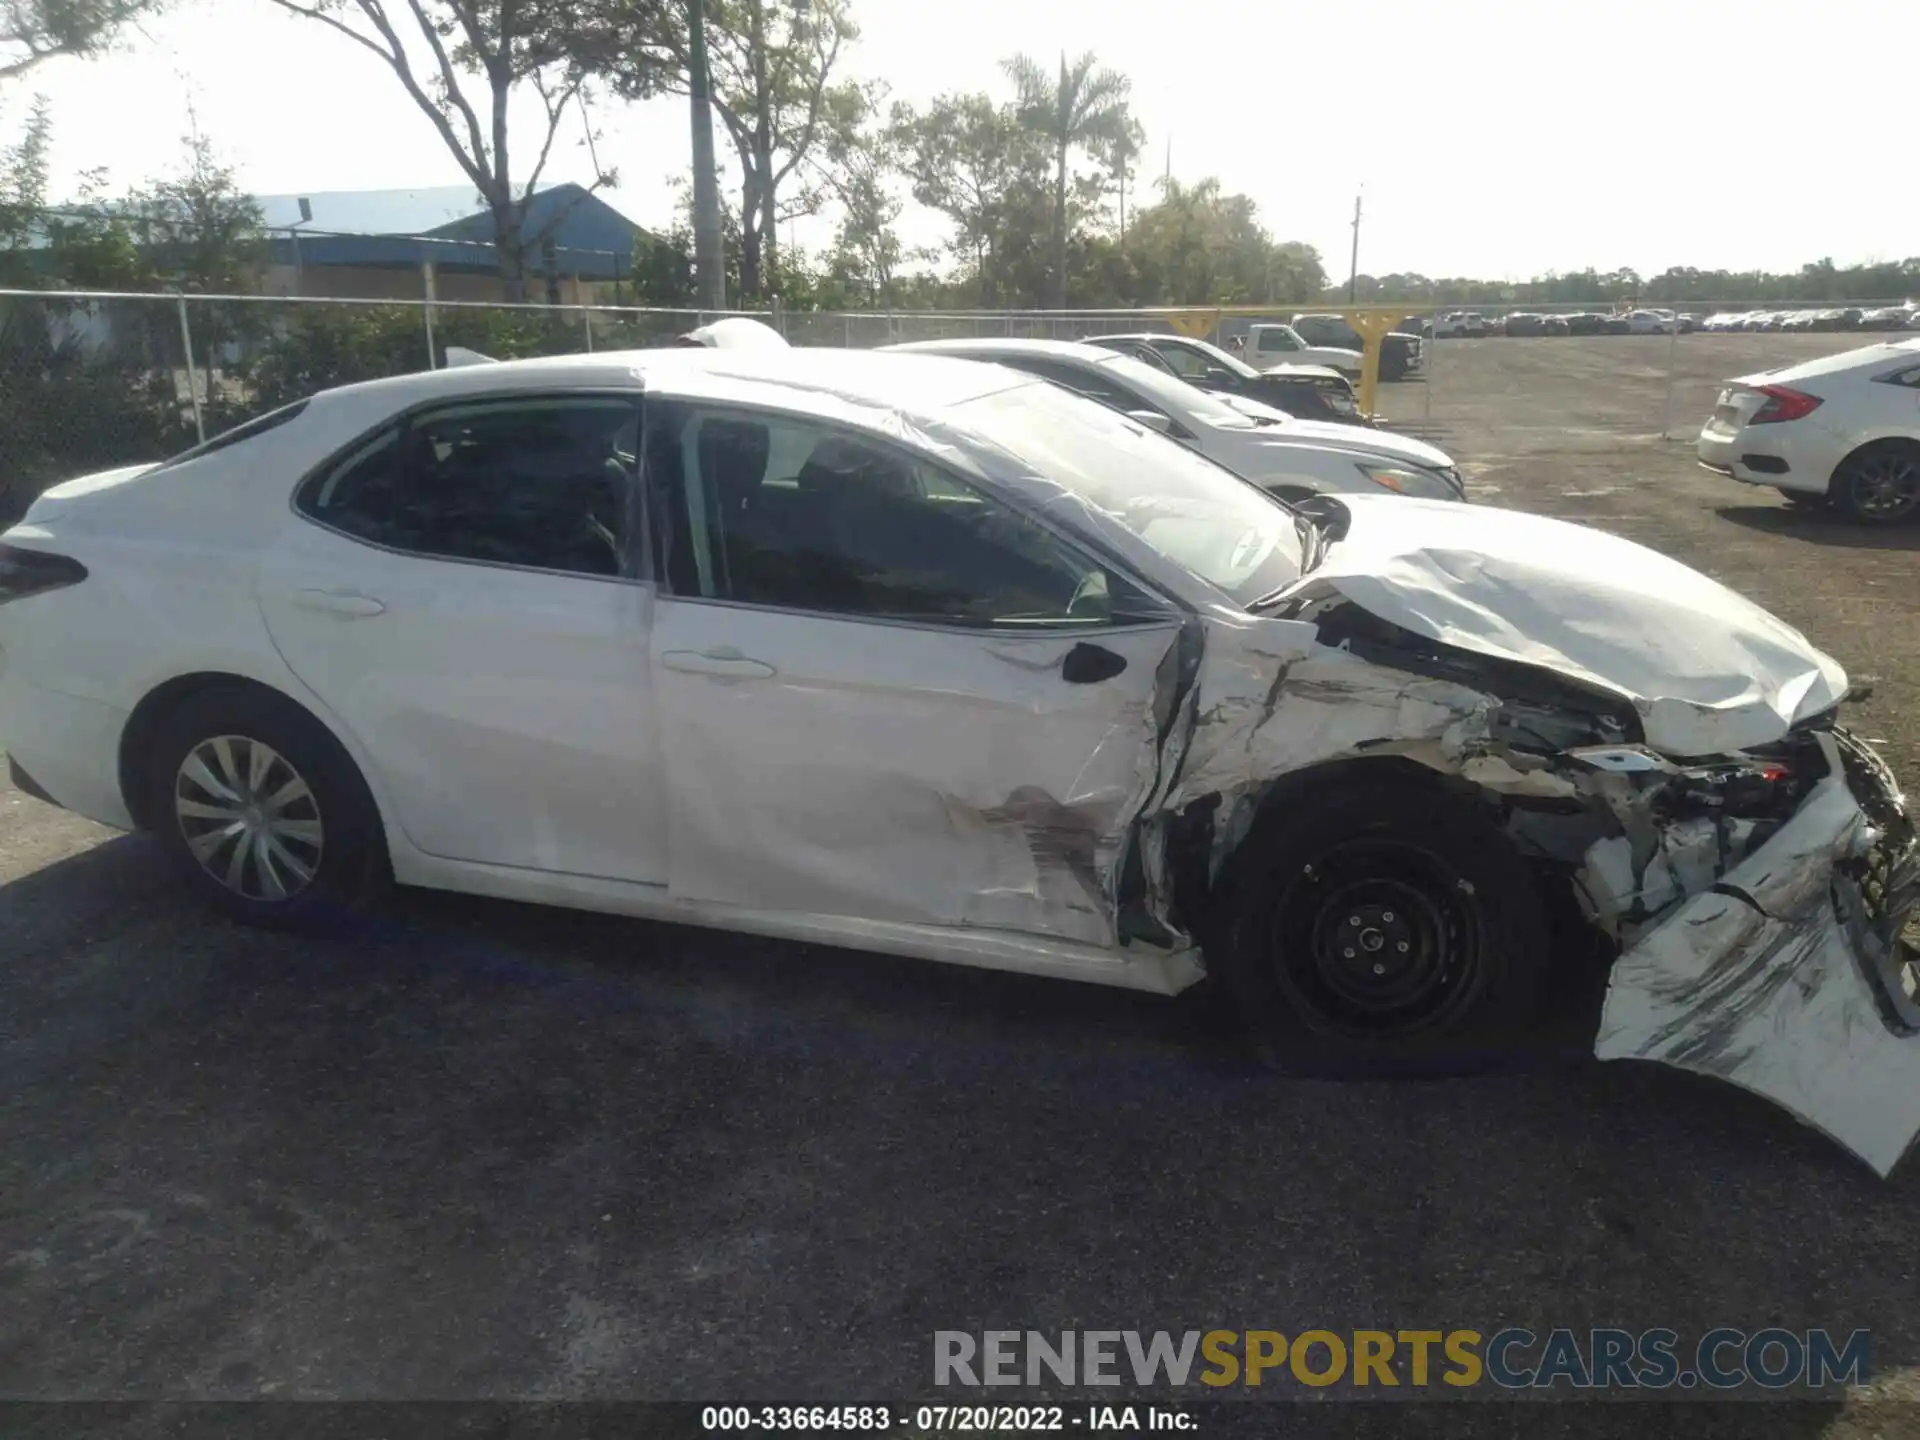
(932,658)
(1842,431)
(1291,457)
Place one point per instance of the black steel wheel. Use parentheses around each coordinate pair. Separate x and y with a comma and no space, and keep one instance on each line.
(1377,939)
(1381,925)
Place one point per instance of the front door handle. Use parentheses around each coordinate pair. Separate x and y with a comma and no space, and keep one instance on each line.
(721,660)
(339,602)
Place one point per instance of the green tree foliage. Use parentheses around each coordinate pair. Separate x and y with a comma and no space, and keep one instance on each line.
(1081,108)
(776,89)
(35,31)
(465,64)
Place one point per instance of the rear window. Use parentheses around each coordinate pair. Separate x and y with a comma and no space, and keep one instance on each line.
(239,434)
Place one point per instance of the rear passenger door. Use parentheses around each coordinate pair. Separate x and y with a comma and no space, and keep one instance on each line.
(884,693)
(464,593)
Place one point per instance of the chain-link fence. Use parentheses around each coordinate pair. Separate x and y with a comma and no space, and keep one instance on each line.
(89,381)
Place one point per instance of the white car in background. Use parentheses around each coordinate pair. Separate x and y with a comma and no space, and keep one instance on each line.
(1842,431)
(1275,344)
(1651,322)
(1292,458)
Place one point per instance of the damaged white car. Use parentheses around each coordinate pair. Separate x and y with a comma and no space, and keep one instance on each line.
(929,657)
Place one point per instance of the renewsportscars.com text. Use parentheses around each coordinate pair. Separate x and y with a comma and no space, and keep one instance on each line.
(1511,1358)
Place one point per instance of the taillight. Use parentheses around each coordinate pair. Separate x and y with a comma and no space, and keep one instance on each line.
(34,572)
(1783,404)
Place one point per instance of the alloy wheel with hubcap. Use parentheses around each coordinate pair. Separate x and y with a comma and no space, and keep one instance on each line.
(249,818)
(1881,485)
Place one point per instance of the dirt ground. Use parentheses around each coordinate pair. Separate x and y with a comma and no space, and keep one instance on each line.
(488,1151)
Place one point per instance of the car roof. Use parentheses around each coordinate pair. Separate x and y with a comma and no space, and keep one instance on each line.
(867,378)
(1007,345)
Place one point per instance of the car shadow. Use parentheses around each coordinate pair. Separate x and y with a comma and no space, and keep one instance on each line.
(1822,527)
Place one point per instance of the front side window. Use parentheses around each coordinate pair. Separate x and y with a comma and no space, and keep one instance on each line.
(764,509)
(541,483)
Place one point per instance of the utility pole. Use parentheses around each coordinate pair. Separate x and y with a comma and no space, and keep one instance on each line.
(709,259)
(1353,266)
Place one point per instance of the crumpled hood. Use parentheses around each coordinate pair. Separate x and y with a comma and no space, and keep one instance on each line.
(1707,669)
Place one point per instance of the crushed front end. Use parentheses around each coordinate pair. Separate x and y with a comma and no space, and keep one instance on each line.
(1794,973)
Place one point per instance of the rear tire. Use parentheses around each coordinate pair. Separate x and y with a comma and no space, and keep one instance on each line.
(1879,484)
(262,811)
(1388,928)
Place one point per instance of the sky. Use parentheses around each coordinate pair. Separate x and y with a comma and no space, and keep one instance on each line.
(1493,139)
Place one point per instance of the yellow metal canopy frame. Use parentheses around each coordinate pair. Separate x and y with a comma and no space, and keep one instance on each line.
(1373,322)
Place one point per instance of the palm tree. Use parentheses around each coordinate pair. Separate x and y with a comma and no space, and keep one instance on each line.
(1086,106)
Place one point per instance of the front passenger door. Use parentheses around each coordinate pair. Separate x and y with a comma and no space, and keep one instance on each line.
(886,694)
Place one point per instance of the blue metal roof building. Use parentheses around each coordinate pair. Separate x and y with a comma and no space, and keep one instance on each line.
(449,227)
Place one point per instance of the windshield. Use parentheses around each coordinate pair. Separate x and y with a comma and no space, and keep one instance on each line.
(1170,394)
(1197,514)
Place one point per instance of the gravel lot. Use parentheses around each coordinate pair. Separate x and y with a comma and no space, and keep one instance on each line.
(489,1151)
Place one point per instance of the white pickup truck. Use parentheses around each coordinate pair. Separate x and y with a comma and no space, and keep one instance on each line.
(1274,344)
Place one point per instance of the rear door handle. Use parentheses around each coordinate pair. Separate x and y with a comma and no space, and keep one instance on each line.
(721,660)
(339,602)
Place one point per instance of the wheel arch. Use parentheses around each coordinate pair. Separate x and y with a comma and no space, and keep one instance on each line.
(1197,880)
(164,698)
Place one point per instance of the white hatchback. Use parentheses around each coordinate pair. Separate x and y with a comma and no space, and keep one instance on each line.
(1841,431)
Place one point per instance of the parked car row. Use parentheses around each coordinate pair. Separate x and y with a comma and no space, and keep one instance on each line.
(1471,323)
(1886,317)
(921,651)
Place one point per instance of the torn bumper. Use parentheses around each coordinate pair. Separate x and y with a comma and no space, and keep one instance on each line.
(1790,977)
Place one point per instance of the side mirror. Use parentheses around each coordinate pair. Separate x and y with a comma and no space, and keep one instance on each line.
(1152,419)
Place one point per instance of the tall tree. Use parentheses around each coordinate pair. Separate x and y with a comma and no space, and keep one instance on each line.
(35,31)
(199,229)
(860,170)
(774,66)
(462,62)
(23,195)
(966,156)
(1084,107)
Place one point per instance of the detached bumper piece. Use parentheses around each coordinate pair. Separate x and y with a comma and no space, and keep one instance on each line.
(1794,977)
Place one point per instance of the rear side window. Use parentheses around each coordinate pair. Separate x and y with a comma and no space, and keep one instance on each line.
(536,482)
(240,434)
(1271,340)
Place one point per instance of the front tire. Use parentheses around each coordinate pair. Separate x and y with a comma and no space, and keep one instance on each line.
(1388,928)
(262,812)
